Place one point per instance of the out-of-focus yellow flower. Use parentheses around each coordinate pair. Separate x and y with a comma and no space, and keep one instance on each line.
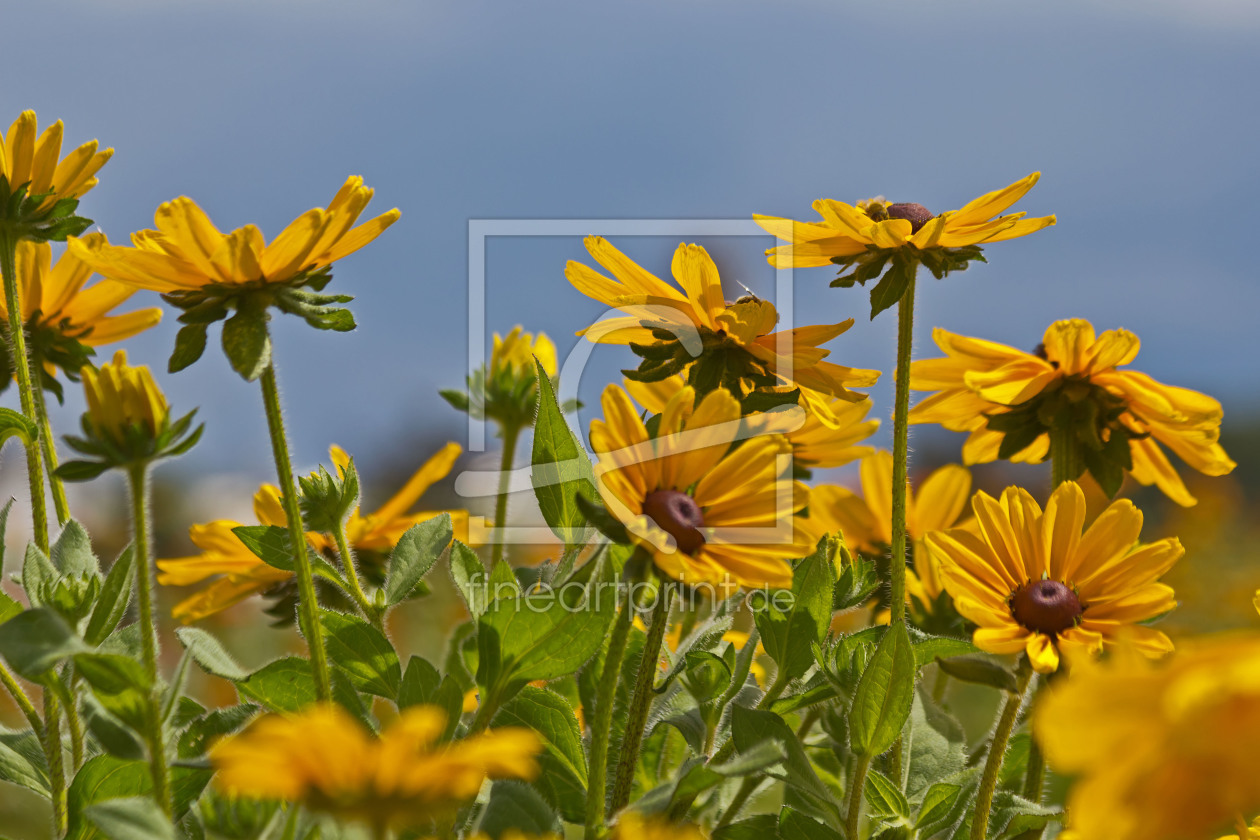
(237,573)
(28,157)
(981,385)
(1034,583)
(1159,752)
(865,521)
(632,825)
(121,398)
(848,231)
(1243,831)
(187,252)
(699,315)
(515,353)
(705,515)
(326,760)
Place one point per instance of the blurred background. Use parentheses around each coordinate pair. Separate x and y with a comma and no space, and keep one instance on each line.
(1139,113)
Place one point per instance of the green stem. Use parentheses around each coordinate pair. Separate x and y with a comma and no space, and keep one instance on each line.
(139,474)
(641,700)
(939,684)
(291,822)
(22,700)
(750,784)
(1065,456)
(74,723)
(997,751)
(601,725)
(352,575)
(901,452)
(856,786)
(511,433)
(22,366)
(56,762)
(50,449)
(308,605)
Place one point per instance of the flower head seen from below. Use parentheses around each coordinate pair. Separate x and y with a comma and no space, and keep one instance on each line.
(1010,401)
(1032,582)
(1163,751)
(692,327)
(64,316)
(506,390)
(705,512)
(236,573)
(50,186)
(405,778)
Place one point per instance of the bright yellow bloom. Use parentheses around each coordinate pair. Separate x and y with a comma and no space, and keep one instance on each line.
(705,515)
(516,353)
(54,298)
(865,522)
(848,231)
(121,397)
(979,379)
(236,573)
(404,778)
(1159,752)
(28,157)
(828,437)
(187,251)
(631,825)
(1034,583)
(700,309)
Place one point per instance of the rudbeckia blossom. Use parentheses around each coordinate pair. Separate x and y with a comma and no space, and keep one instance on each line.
(705,512)
(632,825)
(1162,751)
(845,230)
(187,252)
(1001,396)
(1033,582)
(697,317)
(827,437)
(865,521)
(28,157)
(122,398)
(406,777)
(515,353)
(235,573)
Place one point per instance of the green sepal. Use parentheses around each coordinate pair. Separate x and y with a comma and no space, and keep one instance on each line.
(246,341)
(190,343)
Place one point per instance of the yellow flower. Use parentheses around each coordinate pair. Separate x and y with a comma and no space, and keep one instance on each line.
(1033,582)
(404,778)
(121,398)
(28,157)
(515,353)
(979,381)
(236,573)
(865,521)
(187,251)
(632,825)
(704,514)
(828,437)
(699,314)
(57,303)
(847,231)
(1160,752)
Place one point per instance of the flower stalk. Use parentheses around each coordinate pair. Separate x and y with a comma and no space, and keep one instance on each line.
(856,786)
(352,575)
(601,728)
(56,762)
(997,750)
(60,503)
(511,434)
(901,452)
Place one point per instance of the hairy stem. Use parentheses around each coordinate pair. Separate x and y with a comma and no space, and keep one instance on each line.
(56,762)
(997,751)
(1065,457)
(901,452)
(50,450)
(352,575)
(601,725)
(511,433)
(856,786)
(22,700)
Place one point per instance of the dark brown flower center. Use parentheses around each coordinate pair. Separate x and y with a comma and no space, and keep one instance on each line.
(678,515)
(916,214)
(1047,606)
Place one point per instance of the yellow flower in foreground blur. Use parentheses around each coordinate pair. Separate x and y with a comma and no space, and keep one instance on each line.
(515,353)
(1034,583)
(632,825)
(828,437)
(326,760)
(699,318)
(848,231)
(1159,752)
(236,573)
(706,513)
(1005,398)
(28,157)
(187,251)
(122,398)
(865,521)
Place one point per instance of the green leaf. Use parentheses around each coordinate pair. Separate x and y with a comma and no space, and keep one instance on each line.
(190,343)
(363,652)
(469,576)
(885,694)
(884,797)
(209,653)
(892,286)
(16,424)
(72,553)
(979,670)
(787,634)
(81,470)
(130,818)
(199,734)
(8,607)
(35,641)
(759,827)
(935,743)
(560,469)
(750,727)
(114,599)
(245,340)
(416,552)
(797,826)
(22,762)
(421,683)
(269,543)
(288,684)
(517,808)
(563,779)
(38,575)
(112,673)
(105,777)
(4,522)
(937,803)
(114,736)
(943,647)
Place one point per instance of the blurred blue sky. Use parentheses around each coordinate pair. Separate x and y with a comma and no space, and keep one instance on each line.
(1142,117)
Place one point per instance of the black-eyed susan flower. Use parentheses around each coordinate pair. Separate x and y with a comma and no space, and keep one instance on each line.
(404,778)
(692,327)
(1161,751)
(869,236)
(39,190)
(703,511)
(1011,401)
(1032,582)
(64,316)
(506,390)
(235,573)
